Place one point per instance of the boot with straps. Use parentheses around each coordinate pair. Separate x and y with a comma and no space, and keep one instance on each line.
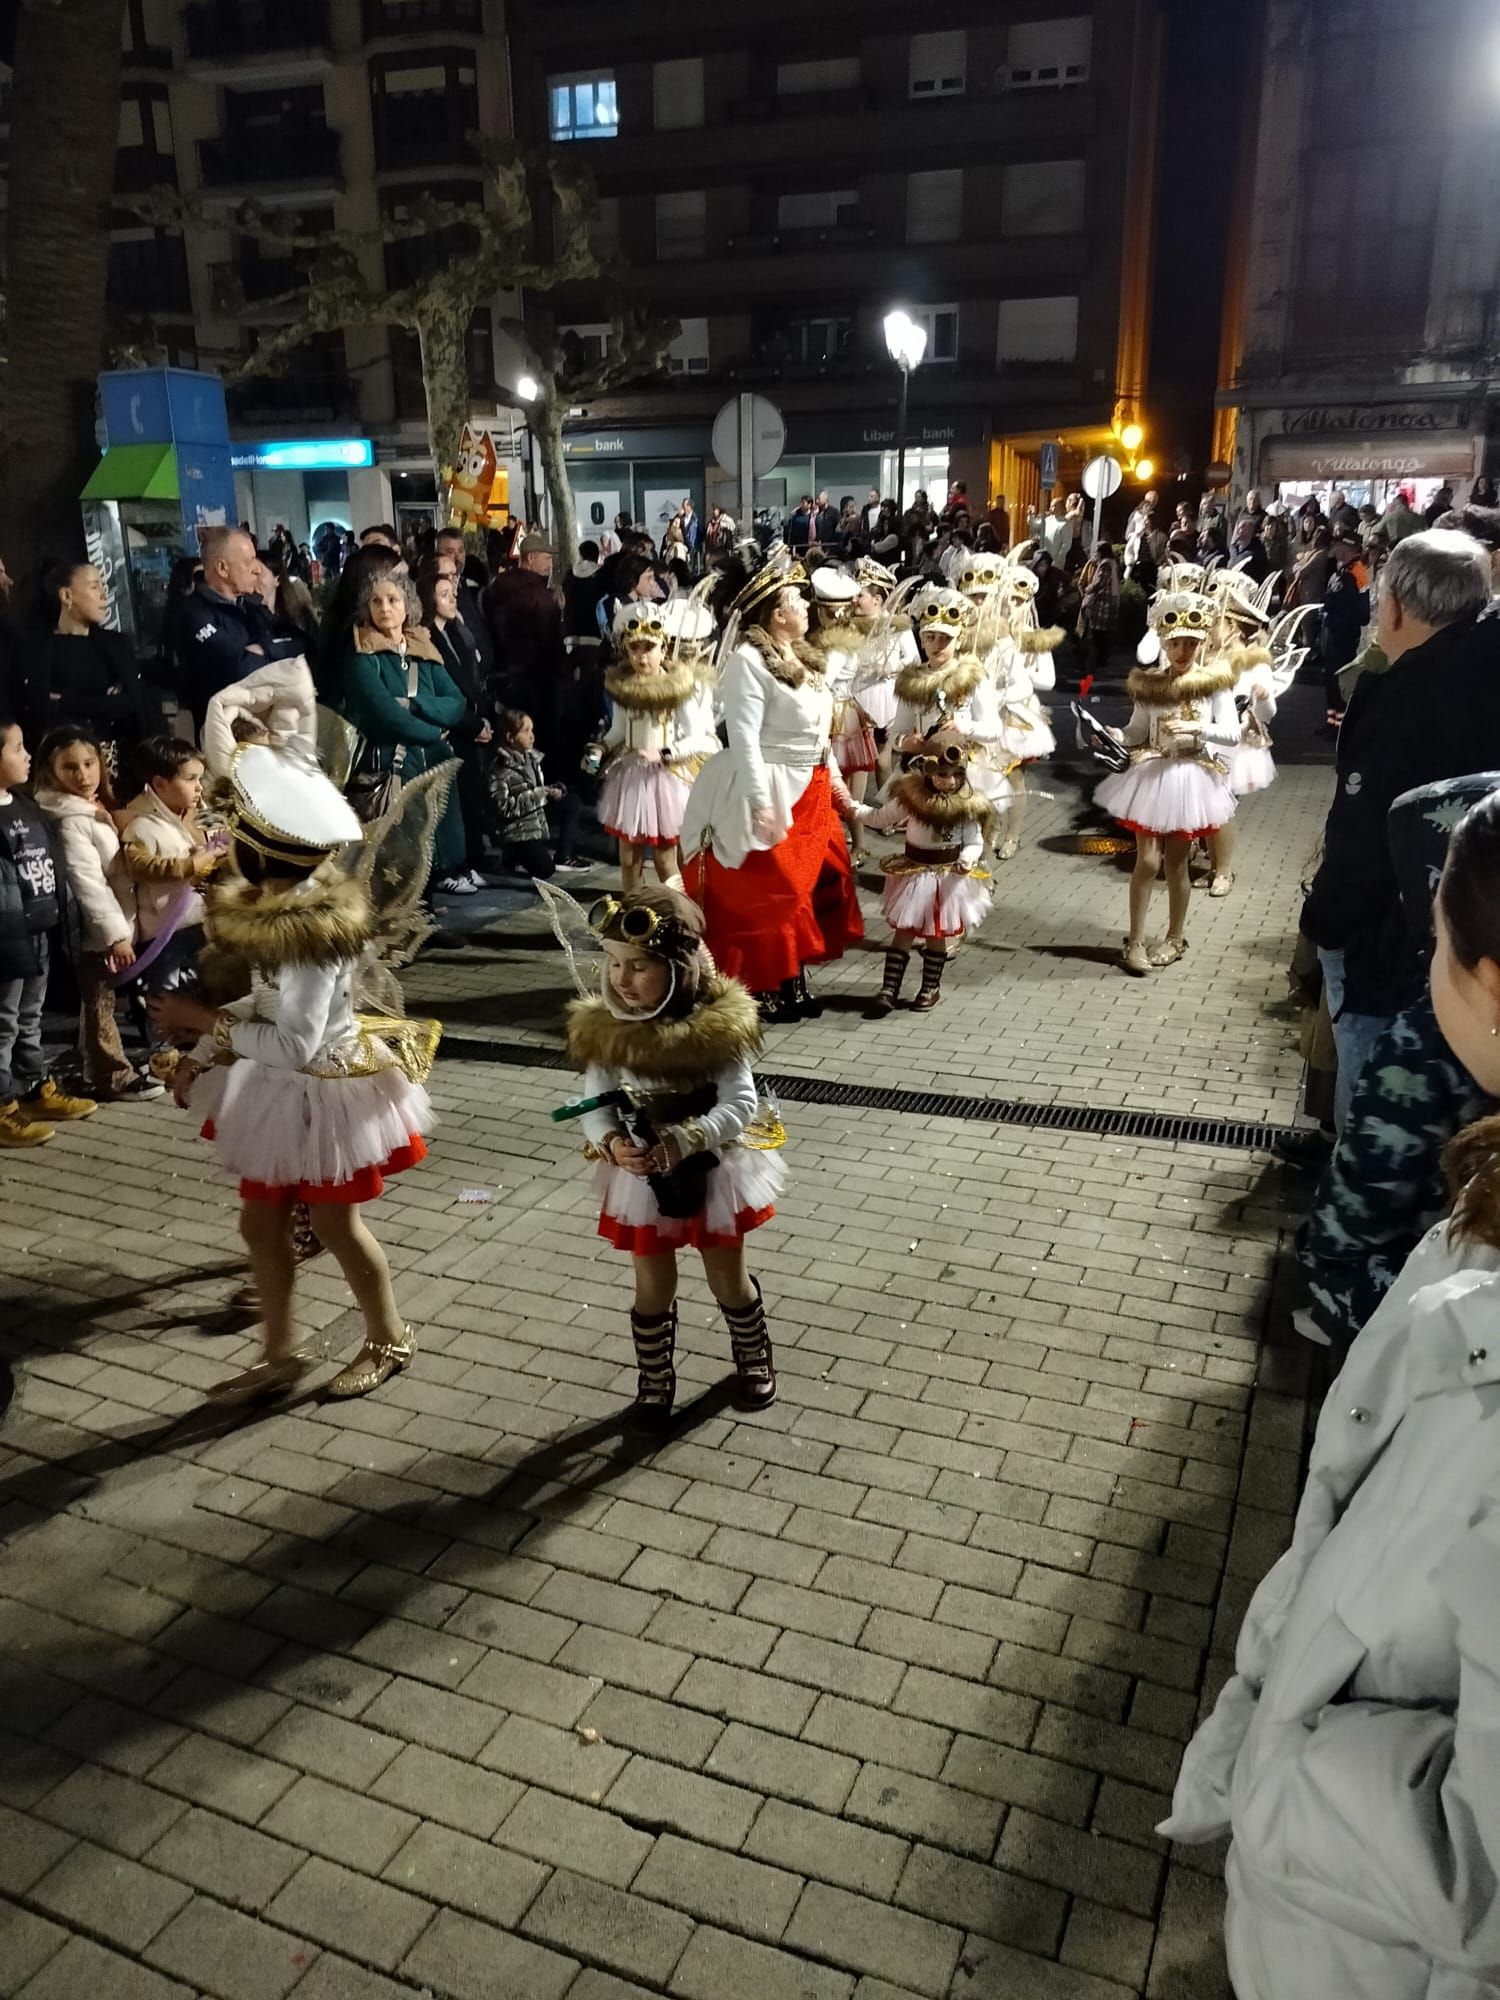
(890,986)
(655,1337)
(750,1343)
(930,991)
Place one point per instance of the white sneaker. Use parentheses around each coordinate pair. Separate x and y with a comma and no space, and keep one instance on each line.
(475,880)
(454,885)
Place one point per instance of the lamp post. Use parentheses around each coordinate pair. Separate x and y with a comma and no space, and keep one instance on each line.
(528,390)
(906,343)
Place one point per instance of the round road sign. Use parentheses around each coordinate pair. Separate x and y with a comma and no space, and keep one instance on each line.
(1102,477)
(767,436)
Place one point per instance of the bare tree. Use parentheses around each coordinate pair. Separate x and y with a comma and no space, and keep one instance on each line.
(567,375)
(65,122)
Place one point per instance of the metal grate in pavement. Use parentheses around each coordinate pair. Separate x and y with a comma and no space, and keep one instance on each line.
(1098,1120)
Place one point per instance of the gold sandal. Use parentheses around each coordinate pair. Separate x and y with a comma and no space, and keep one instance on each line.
(1133,959)
(375,1363)
(261,1380)
(1221,884)
(1009,848)
(1168,951)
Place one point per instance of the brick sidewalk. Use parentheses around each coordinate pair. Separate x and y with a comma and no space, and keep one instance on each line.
(456,1690)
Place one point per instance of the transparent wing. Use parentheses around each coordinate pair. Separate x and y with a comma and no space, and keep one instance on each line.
(1287,640)
(570,926)
(393,861)
(766,1132)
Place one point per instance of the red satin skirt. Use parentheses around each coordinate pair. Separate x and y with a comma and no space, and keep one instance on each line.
(788,906)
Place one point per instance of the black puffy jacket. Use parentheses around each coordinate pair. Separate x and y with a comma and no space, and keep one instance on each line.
(31,886)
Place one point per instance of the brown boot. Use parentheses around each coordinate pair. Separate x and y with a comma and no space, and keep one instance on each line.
(932,979)
(655,1337)
(16,1129)
(890,987)
(754,1363)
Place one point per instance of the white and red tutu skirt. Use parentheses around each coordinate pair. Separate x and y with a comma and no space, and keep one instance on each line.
(288,1136)
(1025,733)
(935,902)
(642,802)
(739,1196)
(1251,769)
(1167,795)
(854,746)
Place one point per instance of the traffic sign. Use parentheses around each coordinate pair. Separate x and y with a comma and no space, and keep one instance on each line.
(767,435)
(1047,459)
(1102,477)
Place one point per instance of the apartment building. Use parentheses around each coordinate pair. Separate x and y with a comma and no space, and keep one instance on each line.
(1361,343)
(780,179)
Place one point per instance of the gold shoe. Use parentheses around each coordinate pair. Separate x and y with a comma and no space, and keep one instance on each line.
(375,1363)
(259,1381)
(1221,884)
(1009,849)
(16,1129)
(48,1102)
(1134,958)
(1168,951)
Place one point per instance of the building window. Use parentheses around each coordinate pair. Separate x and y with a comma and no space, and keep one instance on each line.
(1037,330)
(677,93)
(1042,198)
(935,206)
(824,208)
(592,341)
(145,123)
(688,354)
(939,64)
(604,230)
(583,105)
(795,79)
(816,341)
(1048,55)
(682,224)
(941,324)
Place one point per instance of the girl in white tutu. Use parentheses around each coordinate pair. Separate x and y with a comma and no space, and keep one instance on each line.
(304,1104)
(1176,787)
(668,1099)
(1022,666)
(887,644)
(935,890)
(661,731)
(1252,768)
(835,635)
(949,687)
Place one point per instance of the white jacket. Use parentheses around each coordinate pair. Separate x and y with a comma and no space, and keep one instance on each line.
(777,735)
(686,731)
(97,877)
(160,848)
(1355,1755)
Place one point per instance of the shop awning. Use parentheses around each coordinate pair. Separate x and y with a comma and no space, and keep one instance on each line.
(135,472)
(1444,454)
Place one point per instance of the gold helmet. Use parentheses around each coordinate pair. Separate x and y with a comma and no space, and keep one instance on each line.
(940,608)
(640,618)
(1182,614)
(979,573)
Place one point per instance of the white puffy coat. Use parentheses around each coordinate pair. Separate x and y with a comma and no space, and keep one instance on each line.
(1355,1755)
(97,877)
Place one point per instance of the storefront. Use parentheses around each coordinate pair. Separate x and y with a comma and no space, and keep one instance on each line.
(1365,449)
(644,474)
(299,483)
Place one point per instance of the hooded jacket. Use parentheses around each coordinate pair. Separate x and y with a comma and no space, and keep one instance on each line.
(97,876)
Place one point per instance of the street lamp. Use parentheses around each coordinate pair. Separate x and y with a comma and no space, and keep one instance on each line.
(527,389)
(906,343)
(1143,469)
(1132,437)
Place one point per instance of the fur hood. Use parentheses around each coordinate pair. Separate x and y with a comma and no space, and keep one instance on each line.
(320,921)
(845,637)
(944,809)
(1154,687)
(418,645)
(1040,639)
(792,673)
(650,694)
(920,683)
(723,1028)
(1243,658)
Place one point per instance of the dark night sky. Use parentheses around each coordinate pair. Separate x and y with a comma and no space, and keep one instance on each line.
(1206,75)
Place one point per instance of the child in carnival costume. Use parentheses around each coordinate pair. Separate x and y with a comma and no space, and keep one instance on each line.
(1020,659)
(835,633)
(306,1100)
(661,730)
(1242,639)
(1175,789)
(935,890)
(949,687)
(887,644)
(669,1103)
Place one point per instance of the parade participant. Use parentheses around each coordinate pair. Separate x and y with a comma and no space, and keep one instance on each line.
(766,857)
(669,1096)
(1175,788)
(1252,768)
(838,634)
(889,644)
(949,685)
(662,721)
(1020,663)
(302,1101)
(935,890)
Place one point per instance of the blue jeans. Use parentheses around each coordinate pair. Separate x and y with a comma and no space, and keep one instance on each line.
(1354,1035)
(22,1063)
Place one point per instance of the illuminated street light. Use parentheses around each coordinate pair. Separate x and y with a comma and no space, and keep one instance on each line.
(527,388)
(1132,437)
(906,343)
(1144,468)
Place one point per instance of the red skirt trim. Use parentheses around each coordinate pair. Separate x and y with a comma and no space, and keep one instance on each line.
(646,1240)
(639,840)
(1156,833)
(367,1185)
(787,906)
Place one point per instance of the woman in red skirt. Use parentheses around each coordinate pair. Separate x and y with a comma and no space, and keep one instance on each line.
(766,857)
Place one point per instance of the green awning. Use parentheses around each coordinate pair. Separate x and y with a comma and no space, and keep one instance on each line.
(135,472)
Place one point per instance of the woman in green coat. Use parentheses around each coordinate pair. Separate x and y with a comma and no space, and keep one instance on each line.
(404,702)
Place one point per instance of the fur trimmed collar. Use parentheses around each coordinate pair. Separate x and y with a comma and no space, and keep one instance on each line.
(322,920)
(1040,639)
(1154,687)
(791,671)
(944,809)
(920,683)
(723,1028)
(650,694)
(1243,658)
(418,645)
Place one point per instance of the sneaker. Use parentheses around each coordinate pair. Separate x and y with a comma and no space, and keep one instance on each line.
(475,880)
(574,867)
(453,885)
(140,1090)
(16,1129)
(48,1102)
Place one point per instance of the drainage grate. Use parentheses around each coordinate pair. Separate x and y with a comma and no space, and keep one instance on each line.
(1097,1120)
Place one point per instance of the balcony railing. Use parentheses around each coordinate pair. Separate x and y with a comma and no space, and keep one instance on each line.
(835,235)
(421,131)
(802,103)
(311,154)
(138,168)
(241,30)
(391,18)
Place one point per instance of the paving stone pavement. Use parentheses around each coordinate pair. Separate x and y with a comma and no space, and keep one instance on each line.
(458,1691)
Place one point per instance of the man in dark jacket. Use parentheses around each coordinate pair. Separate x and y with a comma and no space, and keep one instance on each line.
(525,620)
(222,640)
(1434,714)
(450,542)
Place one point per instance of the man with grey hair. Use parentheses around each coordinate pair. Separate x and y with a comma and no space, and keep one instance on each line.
(1434,714)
